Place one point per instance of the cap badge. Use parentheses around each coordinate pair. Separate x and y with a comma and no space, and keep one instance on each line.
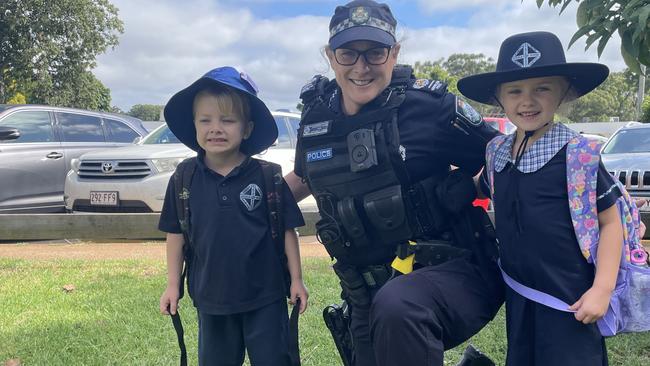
(526,55)
(359,15)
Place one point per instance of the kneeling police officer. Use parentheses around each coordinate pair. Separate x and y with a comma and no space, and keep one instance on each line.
(375,147)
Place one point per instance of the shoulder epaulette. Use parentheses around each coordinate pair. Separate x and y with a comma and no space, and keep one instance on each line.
(430,86)
(315,87)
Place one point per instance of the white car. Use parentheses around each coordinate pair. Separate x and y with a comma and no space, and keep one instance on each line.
(134,179)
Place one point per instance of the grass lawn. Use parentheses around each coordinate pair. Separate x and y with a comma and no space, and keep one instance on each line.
(111,317)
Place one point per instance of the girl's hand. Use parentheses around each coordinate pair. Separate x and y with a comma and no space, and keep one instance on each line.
(298,290)
(169,301)
(592,305)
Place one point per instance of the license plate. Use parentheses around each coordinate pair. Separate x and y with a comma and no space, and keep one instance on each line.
(104,198)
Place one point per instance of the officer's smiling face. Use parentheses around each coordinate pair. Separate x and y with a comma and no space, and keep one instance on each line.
(361,83)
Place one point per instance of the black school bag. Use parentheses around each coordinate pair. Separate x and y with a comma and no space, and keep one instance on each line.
(272,173)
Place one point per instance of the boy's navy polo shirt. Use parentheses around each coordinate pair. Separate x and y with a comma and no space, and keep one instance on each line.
(235,265)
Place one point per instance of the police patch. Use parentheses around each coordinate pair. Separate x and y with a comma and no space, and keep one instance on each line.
(420,83)
(316,129)
(251,196)
(322,154)
(359,15)
(467,113)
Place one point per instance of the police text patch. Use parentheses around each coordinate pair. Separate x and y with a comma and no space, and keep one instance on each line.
(322,154)
(316,129)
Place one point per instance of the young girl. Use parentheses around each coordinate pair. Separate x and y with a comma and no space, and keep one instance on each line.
(538,246)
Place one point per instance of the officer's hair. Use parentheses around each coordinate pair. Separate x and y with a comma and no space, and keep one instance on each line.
(229,101)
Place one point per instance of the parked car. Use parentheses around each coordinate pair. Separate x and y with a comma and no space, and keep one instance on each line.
(627,157)
(134,178)
(33,165)
(500,124)
(593,136)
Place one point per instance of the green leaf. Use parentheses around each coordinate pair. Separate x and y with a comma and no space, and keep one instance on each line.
(582,16)
(644,56)
(630,61)
(581,32)
(592,38)
(540,3)
(566,3)
(627,44)
(603,41)
(644,13)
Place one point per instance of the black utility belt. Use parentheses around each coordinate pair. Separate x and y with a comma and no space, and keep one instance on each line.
(431,252)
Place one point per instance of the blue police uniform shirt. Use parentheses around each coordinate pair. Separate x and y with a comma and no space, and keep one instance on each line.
(429,140)
(235,264)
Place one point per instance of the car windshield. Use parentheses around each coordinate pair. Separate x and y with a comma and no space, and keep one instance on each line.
(162,135)
(629,141)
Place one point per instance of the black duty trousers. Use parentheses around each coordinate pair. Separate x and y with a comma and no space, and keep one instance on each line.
(414,318)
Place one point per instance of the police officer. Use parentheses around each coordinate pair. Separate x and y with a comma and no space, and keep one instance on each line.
(375,147)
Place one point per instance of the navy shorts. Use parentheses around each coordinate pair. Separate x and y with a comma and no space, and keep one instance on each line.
(262,332)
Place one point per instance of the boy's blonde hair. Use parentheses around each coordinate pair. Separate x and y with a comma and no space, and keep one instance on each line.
(229,101)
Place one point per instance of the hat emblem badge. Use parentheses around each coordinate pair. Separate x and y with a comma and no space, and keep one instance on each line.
(359,15)
(526,55)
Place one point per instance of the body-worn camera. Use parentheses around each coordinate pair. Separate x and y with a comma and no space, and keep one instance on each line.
(362,149)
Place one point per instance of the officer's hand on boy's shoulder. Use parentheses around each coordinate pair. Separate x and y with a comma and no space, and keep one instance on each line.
(169,301)
(298,290)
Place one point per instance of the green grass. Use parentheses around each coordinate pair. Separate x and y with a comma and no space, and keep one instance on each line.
(112,318)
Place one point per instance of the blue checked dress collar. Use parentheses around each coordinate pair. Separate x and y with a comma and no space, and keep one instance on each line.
(539,153)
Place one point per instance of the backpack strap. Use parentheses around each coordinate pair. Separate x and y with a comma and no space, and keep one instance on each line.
(582,161)
(182,179)
(490,155)
(273,187)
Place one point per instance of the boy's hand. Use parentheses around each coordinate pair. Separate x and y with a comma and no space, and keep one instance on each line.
(169,301)
(298,289)
(592,305)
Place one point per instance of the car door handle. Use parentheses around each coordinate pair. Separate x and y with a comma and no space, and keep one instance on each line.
(54,155)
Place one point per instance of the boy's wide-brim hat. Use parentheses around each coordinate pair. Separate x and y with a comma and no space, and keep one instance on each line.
(532,55)
(180,117)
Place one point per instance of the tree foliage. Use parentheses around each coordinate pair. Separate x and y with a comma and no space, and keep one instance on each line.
(645,113)
(146,112)
(598,20)
(613,98)
(47,49)
(456,66)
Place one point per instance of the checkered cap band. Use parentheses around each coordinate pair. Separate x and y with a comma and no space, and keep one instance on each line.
(371,22)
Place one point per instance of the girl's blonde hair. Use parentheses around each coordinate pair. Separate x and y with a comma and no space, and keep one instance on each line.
(229,101)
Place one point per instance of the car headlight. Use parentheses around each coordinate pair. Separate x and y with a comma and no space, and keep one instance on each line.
(75,164)
(166,165)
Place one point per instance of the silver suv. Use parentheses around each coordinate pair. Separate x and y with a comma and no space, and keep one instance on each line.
(627,157)
(33,165)
(134,179)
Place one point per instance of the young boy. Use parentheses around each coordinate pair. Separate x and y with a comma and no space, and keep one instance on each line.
(235,273)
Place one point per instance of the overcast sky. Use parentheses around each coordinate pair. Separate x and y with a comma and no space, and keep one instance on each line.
(167,44)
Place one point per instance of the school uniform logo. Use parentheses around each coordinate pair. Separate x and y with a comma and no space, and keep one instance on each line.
(251,196)
(322,154)
(526,55)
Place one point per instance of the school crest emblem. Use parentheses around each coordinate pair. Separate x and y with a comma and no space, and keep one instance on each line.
(359,15)
(251,196)
(526,55)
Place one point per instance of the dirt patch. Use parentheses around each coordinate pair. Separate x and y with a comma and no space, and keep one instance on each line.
(309,247)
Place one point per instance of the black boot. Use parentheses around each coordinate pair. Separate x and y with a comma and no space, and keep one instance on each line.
(474,357)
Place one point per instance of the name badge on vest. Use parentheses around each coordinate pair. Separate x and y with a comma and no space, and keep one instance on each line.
(316,129)
(322,154)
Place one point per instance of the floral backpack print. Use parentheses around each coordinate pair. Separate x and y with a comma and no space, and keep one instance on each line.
(629,308)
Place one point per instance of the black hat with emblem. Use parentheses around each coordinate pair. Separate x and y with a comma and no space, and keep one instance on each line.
(532,55)
(362,20)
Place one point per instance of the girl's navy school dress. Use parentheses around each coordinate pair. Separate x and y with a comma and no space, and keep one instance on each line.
(538,248)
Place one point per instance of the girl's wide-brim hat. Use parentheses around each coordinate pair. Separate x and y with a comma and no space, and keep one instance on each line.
(180,117)
(532,55)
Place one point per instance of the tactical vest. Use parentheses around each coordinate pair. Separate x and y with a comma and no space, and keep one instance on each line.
(353,167)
